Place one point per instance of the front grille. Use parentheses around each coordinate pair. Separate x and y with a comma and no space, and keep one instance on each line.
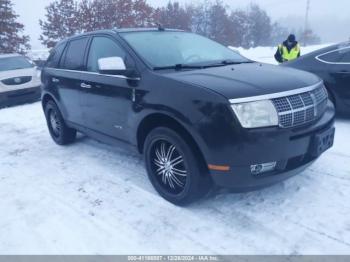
(296,110)
(17,80)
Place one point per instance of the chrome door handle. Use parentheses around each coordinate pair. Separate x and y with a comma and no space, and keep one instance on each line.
(55,80)
(83,85)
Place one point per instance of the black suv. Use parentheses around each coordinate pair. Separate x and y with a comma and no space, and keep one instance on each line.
(200,113)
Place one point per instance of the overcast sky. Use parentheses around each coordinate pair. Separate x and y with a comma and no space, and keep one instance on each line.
(329,18)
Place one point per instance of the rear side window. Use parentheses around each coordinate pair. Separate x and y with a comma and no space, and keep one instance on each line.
(74,58)
(339,55)
(55,56)
(332,57)
(102,47)
(346,57)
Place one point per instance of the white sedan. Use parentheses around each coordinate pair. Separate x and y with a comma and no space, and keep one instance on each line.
(19,80)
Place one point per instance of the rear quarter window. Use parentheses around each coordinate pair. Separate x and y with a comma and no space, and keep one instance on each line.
(55,56)
(74,54)
(336,56)
(332,57)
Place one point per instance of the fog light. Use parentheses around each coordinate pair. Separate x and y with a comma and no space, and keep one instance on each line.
(262,168)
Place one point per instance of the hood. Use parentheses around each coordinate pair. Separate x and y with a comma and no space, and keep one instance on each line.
(244,80)
(18,73)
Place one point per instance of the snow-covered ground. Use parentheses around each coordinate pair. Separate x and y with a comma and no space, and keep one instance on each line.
(91,198)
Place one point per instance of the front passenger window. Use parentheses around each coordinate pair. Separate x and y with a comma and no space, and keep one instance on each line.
(55,56)
(102,47)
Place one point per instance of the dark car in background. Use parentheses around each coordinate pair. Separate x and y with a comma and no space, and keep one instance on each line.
(19,80)
(198,112)
(332,64)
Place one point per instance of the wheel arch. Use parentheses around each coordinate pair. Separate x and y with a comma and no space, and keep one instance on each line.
(46,98)
(155,120)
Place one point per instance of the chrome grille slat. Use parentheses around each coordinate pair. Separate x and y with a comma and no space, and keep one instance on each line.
(292,111)
(299,109)
(304,107)
(295,111)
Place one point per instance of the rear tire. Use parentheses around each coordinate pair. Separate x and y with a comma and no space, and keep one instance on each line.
(59,131)
(174,170)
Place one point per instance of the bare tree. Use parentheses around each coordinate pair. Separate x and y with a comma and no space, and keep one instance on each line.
(201,18)
(240,28)
(260,26)
(247,28)
(61,21)
(90,15)
(173,15)
(143,14)
(219,25)
(68,17)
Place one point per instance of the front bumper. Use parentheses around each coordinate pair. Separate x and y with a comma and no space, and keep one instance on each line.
(20,96)
(292,149)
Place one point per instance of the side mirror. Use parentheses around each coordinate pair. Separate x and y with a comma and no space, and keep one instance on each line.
(113,66)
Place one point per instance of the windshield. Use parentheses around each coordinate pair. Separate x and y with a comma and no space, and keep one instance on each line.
(164,49)
(13,63)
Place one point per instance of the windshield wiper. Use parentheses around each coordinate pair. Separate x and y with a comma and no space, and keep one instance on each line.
(178,67)
(228,62)
(188,66)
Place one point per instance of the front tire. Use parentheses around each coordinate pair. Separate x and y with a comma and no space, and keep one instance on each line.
(174,170)
(59,131)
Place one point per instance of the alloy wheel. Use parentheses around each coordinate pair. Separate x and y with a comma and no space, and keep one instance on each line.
(168,166)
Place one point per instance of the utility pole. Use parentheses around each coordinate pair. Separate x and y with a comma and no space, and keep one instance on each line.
(306,22)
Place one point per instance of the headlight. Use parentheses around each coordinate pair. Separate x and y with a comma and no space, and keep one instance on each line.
(256,114)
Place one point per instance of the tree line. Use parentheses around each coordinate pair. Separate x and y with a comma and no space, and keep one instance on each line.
(249,27)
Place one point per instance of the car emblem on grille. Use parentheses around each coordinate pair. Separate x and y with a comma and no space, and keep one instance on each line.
(17,80)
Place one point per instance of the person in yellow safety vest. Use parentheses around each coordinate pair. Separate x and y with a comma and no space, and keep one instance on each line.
(288,50)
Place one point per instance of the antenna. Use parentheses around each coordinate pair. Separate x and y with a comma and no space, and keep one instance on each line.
(308,3)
